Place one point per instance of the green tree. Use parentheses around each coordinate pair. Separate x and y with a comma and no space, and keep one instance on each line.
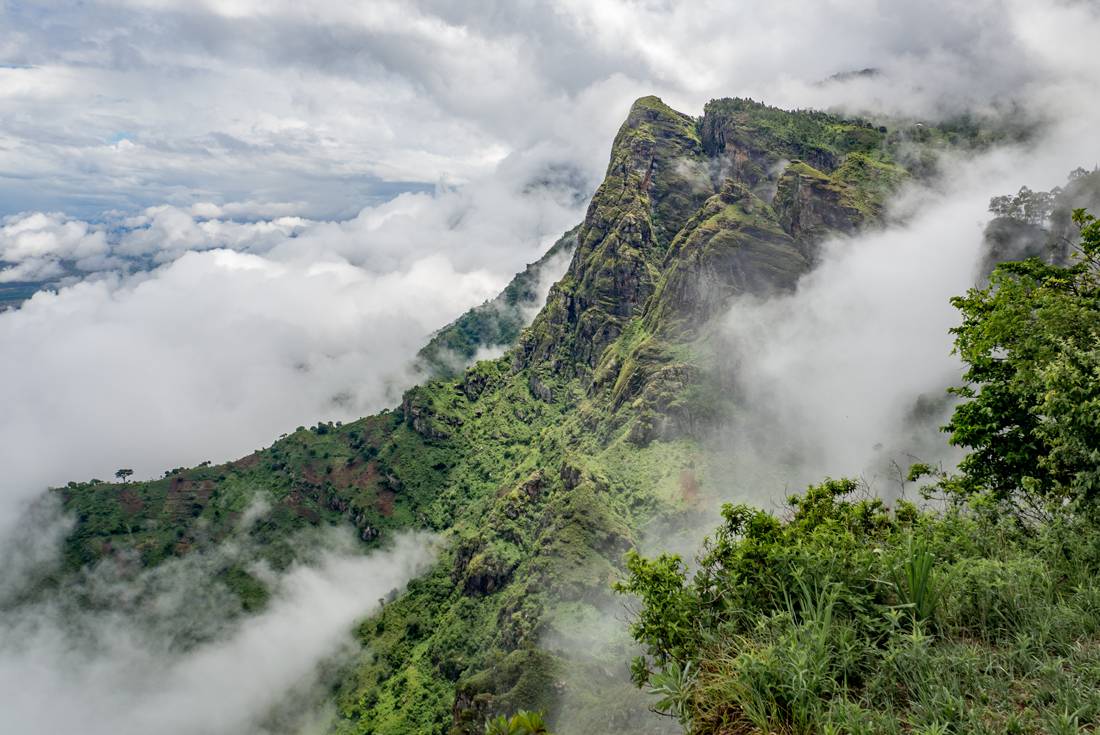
(1031,344)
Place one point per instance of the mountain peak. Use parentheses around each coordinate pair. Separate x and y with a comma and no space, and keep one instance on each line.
(652,104)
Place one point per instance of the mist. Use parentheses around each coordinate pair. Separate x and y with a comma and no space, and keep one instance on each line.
(169,652)
(848,375)
(243,331)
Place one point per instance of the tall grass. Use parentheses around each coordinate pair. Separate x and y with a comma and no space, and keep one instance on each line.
(917,627)
(916,583)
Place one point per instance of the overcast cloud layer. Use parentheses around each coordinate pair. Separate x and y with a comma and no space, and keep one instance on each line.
(318,108)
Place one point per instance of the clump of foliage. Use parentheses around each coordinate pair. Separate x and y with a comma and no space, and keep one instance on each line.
(521,723)
(844,615)
(1027,206)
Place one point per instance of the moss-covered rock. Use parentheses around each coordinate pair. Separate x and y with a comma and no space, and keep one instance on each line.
(649,191)
(811,205)
(732,246)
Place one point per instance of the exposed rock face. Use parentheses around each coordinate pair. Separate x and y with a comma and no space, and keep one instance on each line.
(487,574)
(753,138)
(1008,238)
(474,384)
(534,486)
(422,418)
(757,234)
(731,129)
(732,246)
(649,191)
(685,220)
(570,475)
(481,569)
(540,389)
(810,206)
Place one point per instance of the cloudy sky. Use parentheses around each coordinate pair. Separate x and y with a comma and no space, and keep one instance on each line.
(317,109)
(255,212)
(252,213)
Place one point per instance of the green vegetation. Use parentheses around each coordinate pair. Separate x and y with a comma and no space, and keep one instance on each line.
(846,616)
(1031,342)
(542,468)
(870,181)
(818,138)
(521,723)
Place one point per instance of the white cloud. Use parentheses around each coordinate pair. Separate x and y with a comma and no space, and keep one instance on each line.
(165,232)
(248,329)
(208,358)
(33,245)
(323,105)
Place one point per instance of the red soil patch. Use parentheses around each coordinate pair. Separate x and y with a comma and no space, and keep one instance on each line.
(311,475)
(355,475)
(184,493)
(246,462)
(689,487)
(344,476)
(385,502)
(130,501)
(297,502)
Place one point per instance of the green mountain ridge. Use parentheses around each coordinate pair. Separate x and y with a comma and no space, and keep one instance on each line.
(543,467)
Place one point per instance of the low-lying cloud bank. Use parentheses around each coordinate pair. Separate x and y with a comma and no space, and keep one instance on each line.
(499,222)
(177,337)
(122,672)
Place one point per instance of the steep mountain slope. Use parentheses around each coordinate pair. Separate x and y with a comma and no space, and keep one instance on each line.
(1034,224)
(541,467)
(498,322)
